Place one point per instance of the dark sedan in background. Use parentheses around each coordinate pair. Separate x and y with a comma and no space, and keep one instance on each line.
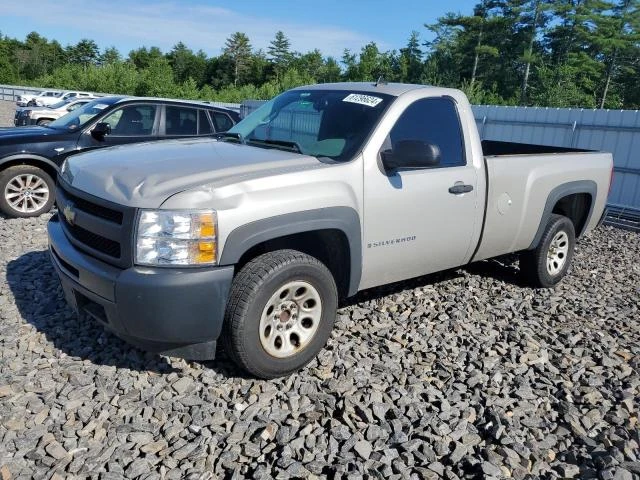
(30,157)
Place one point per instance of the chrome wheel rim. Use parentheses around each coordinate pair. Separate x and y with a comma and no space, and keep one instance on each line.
(557,254)
(26,193)
(290,319)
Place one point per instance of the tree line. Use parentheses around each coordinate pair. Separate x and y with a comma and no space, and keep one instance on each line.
(560,53)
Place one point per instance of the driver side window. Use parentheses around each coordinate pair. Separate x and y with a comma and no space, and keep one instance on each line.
(432,121)
(132,120)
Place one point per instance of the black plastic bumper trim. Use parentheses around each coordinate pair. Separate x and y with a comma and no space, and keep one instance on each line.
(177,312)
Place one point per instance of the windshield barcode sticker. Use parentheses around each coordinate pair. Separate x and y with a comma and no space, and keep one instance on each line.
(368,100)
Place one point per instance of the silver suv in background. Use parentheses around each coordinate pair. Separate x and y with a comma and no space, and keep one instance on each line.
(46,115)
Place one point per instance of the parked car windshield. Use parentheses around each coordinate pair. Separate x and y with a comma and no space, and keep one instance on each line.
(322,123)
(82,115)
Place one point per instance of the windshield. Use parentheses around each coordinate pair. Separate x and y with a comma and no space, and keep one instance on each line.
(82,115)
(322,123)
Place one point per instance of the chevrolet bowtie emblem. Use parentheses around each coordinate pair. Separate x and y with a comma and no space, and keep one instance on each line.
(69,213)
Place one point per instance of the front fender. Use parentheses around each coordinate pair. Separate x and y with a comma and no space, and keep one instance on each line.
(345,219)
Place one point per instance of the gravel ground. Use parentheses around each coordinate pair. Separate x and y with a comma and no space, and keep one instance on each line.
(7,111)
(463,374)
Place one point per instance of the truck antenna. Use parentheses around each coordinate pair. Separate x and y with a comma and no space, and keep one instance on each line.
(381,81)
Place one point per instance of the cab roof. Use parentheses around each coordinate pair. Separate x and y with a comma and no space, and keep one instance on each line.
(394,89)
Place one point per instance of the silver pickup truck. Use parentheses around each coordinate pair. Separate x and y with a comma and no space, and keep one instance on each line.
(324,191)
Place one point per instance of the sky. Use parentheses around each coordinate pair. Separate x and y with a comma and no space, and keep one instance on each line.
(329,25)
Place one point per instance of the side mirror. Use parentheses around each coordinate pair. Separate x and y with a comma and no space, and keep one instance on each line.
(411,154)
(101,130)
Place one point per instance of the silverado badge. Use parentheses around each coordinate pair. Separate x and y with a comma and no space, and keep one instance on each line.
(69,213)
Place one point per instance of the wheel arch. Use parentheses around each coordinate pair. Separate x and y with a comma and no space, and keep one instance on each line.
(30,159)
(574,200)
(332,235)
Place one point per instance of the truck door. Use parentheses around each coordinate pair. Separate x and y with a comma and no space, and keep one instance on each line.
(420,219)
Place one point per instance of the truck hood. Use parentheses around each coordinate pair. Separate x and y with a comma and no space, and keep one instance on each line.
(146,174)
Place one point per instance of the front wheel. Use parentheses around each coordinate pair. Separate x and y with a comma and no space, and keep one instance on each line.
(26,191)
(280,313)
(44,123)
(548,263)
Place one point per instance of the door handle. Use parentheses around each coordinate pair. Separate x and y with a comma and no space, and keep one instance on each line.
(460,188)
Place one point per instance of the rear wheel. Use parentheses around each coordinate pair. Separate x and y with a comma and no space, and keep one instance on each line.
(44,122)
(280,313)
(548,263)
(26,191)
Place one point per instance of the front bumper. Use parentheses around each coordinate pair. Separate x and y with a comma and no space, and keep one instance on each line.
(172,311)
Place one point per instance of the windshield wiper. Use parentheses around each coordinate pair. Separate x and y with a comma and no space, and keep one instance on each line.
(282,144)
(230,135)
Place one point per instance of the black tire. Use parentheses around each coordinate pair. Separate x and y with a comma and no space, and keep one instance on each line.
(533,263)
(31,103)
(8,174)
(252,289)
(44,122)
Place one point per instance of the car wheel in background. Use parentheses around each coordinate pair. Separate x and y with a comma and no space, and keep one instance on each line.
(44,122)
(547,264)
(26,191)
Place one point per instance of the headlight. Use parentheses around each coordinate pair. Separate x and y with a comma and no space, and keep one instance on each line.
(177,237)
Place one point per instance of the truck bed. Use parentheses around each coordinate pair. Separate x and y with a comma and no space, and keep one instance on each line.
(493,148)
(520,179)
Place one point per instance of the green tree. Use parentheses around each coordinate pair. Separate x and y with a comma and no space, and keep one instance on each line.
(188,65)
(473,32)
(411,60)
(142,57)
(110,56)
(615,37)
(350,63)
(238,49)
(279,52)
(533,18)
(330,71)
(310,64)
(85,53)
